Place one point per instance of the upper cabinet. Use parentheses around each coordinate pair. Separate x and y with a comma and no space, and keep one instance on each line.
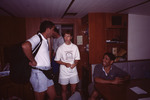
(107,33)
(116,35)
(116,20)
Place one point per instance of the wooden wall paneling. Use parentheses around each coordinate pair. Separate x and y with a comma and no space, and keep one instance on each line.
(84,53)
(75,22)
(32,26)
(12,31)
(6,29)
(19,33)
(97,43)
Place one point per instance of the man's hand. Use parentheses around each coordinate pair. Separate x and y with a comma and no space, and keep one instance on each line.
(72,66)
(67,64)
(33,63)
(118,80)
(75,63)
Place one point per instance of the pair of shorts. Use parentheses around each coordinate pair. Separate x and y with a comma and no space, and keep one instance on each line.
(40,82)
(71,80)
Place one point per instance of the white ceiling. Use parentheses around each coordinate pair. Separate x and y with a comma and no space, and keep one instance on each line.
(57,8)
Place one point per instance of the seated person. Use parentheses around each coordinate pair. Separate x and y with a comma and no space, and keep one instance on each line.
(108,73)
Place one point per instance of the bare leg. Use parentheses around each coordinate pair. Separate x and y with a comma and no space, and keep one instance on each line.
(73,88)
(39,95)
(64,92)
(94,95)
(51,92)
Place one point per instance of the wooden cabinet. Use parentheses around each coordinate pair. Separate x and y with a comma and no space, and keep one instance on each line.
(116,42)
(116,20)
(116,35)
(107,33)
(97,44)
(96,34)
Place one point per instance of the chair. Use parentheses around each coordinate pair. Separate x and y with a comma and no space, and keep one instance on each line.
(75,96)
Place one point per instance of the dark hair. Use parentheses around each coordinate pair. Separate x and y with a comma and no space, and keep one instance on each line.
(110,55)
(56,30)
(67,32)
(46,24)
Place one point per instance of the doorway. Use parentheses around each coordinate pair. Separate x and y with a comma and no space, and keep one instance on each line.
(65,28)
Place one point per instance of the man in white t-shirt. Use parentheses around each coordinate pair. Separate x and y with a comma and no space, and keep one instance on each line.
(67,56)
(40,83)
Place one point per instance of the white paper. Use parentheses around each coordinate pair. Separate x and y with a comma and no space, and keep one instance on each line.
(80,40)
(144,98)
(138,90)
(4,73)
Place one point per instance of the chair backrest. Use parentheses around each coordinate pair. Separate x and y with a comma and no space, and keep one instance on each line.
(75,96)
(93,66)
(136,69)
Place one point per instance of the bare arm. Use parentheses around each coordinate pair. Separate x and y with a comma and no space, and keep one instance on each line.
(68,64)
(100,80)
(75,63)
(117,80)
(63,63)
(26,46)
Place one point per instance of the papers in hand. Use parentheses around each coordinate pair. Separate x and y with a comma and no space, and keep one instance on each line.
(138,90)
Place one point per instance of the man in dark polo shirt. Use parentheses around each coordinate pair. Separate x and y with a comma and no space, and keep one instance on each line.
(108,73)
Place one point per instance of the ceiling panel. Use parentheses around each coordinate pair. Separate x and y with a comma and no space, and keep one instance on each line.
(56,8)
(113,6)
(140,10)
(35,8)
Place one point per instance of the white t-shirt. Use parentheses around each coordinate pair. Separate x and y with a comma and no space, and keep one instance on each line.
(42,57)
(67,53)
(57,42)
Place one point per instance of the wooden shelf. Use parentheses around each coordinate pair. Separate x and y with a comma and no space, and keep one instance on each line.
(102,27)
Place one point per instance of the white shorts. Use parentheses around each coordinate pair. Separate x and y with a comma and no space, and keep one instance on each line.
(71,80)
(40,82)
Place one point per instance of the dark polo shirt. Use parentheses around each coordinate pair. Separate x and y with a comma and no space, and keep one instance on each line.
(114,72)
